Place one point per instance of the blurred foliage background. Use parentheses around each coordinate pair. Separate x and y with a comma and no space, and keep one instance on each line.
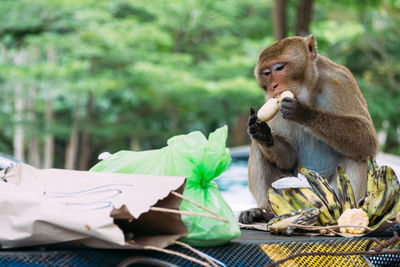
(80,77)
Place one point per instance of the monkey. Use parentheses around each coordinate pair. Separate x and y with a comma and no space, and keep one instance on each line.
(325,125)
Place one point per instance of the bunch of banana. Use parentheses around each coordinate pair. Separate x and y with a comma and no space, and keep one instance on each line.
(278,204)
(381,202)
(305,198)
(324,190)
(382,191)
(321,196)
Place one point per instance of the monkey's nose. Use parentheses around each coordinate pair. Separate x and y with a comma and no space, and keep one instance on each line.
(273,87)
(272,91)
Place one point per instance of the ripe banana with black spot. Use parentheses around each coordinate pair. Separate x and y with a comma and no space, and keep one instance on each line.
(324,190)
(394,211)
(278,204)
(304,198)
(372,171)
(345,190)
(383,194)
(309,216)
(286,222)
(287,195)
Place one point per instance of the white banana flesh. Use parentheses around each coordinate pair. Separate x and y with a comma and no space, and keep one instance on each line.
(271,107)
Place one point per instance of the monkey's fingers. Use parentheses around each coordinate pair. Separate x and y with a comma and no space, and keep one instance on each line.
(292,109)
(288,104)
(289,100)
(252,111)
(252,129)
(252,120)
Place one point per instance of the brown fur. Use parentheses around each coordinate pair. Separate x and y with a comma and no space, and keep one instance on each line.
(336,117)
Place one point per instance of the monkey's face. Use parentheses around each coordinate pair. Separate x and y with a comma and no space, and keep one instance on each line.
(274,77)
(282,74)
(284,66)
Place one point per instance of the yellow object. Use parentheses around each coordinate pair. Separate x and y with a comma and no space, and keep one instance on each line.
(278,204)
(345,190)
(271,107)
(304,198)
(324,190)
(353,217)
(277,251)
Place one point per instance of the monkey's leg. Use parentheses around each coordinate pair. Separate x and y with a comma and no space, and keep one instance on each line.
(262,174)
(357,172)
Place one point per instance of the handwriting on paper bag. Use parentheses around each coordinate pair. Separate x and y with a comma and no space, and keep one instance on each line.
(90,199)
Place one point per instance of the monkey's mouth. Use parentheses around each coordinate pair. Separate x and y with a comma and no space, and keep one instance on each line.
(277,94)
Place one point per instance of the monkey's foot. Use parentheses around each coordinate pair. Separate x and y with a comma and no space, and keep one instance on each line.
(255,215)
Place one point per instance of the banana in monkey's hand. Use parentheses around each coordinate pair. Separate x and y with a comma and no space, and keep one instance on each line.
(271,107)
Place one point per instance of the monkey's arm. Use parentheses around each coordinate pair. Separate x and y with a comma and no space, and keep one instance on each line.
(280,153)
(274,148)
(353,136)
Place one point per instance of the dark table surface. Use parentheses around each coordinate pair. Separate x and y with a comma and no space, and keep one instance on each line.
(242,251)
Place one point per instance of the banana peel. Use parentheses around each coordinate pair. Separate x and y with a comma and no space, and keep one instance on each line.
(286,223)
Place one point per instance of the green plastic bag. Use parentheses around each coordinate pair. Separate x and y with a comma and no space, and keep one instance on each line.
(200,161)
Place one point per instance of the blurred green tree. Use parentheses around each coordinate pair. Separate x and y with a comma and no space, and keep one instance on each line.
(81,77)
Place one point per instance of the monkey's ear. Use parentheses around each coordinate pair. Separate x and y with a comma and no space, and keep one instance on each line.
(311,46)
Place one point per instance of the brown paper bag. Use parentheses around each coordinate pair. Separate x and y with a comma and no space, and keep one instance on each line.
(46,206)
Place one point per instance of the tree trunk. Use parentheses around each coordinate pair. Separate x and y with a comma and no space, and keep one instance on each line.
(4,53)
(86,150)
(280,25)
(34,150)
(304,16)
(19,129)
(72,145)
(48,138)
(48,114)
(173,116)
(239,132)
(134,144)
(19,103)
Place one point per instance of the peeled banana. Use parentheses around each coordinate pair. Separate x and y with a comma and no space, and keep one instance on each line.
(271,107)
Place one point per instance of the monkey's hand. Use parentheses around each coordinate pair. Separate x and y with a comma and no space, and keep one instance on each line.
(259,130)
(292,109)
(255,215)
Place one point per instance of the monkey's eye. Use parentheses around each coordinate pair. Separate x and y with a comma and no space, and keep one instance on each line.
(278,66)
(266,72)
